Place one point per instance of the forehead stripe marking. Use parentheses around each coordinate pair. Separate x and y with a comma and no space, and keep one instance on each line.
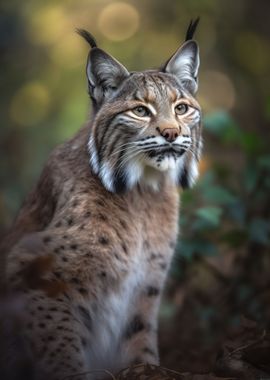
(152,109)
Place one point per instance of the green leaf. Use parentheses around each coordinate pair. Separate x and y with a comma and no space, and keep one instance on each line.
(183,220)
(251,142)
(235,238)
(259,231)
(264,161)
(187,197)
(251,177)
(188,248)
(222,125)
(219,195)
(267,182)
(202,225)
(237,211)
(205,181)
(210,214)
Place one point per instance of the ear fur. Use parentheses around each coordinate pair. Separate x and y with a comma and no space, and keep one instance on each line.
(104,73)
(184,64)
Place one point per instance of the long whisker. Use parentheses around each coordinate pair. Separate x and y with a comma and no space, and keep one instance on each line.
(149,147)
(128,157)
(125,160)
(122,147)
(141,151)
(142,130)
(139,147)
(193,153)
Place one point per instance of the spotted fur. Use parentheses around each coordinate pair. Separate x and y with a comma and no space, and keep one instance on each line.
(90,249)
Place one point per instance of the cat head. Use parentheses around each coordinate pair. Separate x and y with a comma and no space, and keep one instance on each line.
(146,124)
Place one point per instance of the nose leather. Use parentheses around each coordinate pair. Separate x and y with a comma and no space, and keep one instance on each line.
(170,134)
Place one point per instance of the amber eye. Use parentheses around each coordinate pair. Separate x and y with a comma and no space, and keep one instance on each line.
(141,111)
(181,109)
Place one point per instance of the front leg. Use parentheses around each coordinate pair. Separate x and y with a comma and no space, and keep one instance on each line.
(139,344)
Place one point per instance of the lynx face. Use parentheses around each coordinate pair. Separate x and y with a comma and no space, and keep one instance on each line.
(147,125)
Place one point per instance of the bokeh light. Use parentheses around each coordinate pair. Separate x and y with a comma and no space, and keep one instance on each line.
(216,91)
(69,51)
(252,52)
(207,36)
(118,21)
(47,24)
(30,104)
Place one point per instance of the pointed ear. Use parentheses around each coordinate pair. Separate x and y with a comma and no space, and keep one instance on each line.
(104,74)
(184,64)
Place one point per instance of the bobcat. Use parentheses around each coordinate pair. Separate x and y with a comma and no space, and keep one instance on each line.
(91,246)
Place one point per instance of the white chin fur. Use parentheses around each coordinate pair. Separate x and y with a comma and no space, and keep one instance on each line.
(148,172)
(106,176)
(155,170)
(172,169)
(93,155)
(132,173)
(168,163)
(193,171)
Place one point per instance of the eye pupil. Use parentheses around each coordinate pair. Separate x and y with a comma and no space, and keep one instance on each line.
(141,111)
(182,108)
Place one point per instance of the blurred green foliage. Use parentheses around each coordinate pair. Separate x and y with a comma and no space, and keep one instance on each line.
(225,229)
(221,210)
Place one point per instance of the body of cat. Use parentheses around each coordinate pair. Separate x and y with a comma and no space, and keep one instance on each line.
(90,249)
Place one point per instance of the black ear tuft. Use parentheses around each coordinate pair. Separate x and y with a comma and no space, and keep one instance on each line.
(87,36)
(191,29)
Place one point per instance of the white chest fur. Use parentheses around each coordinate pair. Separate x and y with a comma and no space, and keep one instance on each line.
(112,317)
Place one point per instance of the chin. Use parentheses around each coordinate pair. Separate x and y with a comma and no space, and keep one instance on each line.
(150,172)
(156,168)
(164,163)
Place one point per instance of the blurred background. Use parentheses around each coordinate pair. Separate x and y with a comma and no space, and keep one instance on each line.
(219,282)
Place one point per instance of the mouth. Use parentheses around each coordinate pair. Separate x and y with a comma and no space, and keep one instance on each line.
(166,152)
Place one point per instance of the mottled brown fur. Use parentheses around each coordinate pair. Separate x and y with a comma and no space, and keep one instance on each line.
(90,262)
(92,242)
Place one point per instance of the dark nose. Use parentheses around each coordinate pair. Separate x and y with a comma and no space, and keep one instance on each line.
(170,134)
